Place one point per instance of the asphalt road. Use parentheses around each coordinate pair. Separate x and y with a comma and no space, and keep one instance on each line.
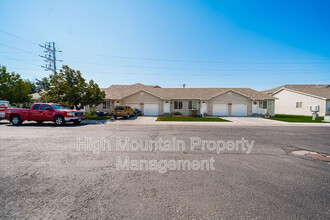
(43,174)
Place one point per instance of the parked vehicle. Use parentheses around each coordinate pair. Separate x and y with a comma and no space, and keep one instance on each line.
(123,111)
(40,112)
(138,111)
(3,106)
(101,114)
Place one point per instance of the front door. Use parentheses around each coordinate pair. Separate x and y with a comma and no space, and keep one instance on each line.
(255,107)
(204,108)
(167,109)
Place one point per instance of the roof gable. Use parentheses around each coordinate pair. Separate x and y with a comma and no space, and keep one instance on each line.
(142,90)
(318,91)
(229,90)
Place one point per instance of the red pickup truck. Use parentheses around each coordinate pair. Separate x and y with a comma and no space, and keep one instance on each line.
(41,112)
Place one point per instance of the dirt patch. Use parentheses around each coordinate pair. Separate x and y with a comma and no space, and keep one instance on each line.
(311,154)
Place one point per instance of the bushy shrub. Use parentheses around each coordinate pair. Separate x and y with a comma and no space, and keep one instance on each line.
(176,113)
(92,111)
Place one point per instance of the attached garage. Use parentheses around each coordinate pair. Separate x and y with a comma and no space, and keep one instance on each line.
(151,109)
(238,109)
(134,105)
(220,109)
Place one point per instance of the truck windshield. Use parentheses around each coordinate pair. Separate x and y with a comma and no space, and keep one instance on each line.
(57,107)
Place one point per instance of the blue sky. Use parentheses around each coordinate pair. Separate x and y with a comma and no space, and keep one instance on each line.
(256,44)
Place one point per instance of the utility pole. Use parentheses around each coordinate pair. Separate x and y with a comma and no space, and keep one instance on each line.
(50,56)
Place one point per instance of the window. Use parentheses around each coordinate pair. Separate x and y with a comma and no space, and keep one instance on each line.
(299,104)
(264,104)
(5,104)
(106,104)
(57,107)
(36,107)
(192,104)
(119,108)
(270,105)
(177,104)
(44,107)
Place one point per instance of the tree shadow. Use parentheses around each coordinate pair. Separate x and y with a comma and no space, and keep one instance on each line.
(50,124)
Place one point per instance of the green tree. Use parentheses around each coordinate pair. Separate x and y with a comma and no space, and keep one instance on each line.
(93,94)
(13,88)
(70,88)
(42,84)
(33,86)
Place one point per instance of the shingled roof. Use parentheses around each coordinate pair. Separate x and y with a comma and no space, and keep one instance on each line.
(121,91)
(322,90)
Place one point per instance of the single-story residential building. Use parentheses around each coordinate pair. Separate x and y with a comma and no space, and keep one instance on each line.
(154,100)
(36,97)
(297,99)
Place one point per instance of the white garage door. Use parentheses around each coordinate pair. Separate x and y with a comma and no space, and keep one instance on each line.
(220,109)
(238,109)
(134,105)
(150,109)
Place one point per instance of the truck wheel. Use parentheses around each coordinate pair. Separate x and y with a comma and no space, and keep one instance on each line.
(40,122)
(16,120)
(59,120)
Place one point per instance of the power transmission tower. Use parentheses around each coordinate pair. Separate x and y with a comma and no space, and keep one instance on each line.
(50,56)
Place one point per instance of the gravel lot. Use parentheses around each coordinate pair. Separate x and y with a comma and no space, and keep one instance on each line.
(44,175)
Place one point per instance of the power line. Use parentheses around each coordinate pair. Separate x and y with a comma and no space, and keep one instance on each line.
(24,51)
(176,60)
(31,42)
(13,52)
(224,73)
(19,60)
(198,61)
(159,67)
(202,70)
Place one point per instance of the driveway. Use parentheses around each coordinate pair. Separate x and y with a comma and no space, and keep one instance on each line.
(254,121)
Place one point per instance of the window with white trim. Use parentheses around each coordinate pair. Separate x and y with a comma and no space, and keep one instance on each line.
(192,105)
(264,104)
(177,104)
(106,104)
(299,104)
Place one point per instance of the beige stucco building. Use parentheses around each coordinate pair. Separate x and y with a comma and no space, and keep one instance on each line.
(298,99)
(153,100)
